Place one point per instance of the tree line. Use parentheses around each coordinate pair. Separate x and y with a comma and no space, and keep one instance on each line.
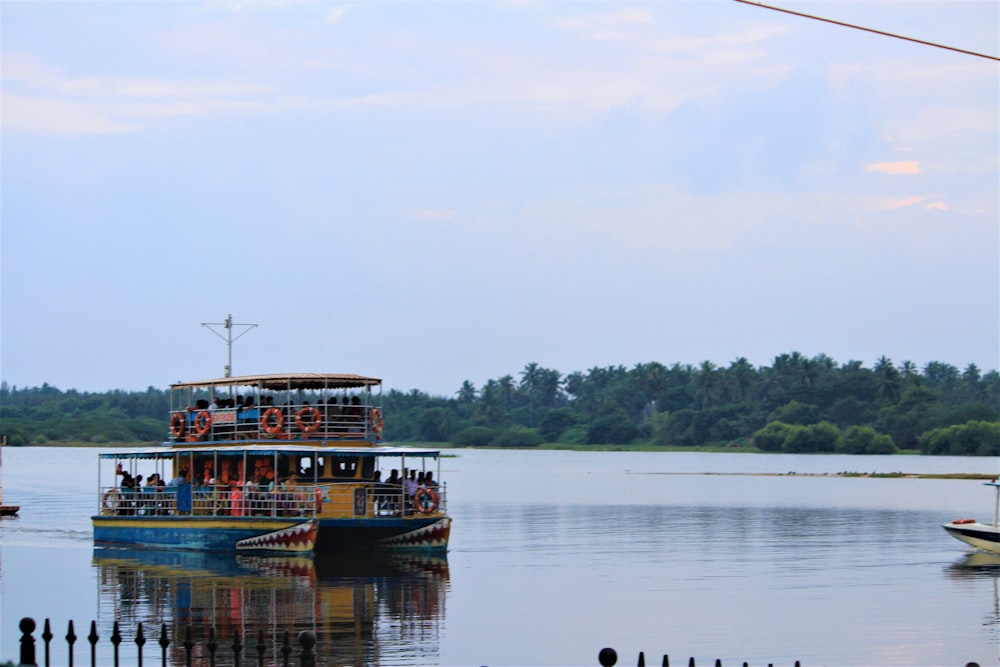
(795,404)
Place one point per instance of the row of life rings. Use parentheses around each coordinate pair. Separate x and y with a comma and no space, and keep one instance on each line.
(178,423)
(308,419)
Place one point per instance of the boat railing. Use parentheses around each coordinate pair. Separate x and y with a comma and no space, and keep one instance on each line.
(211,500)
(287,422)
(341,499)
(377,500)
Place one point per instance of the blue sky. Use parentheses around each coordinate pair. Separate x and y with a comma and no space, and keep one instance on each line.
(432,192)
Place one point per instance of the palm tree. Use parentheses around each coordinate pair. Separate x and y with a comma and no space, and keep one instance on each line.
(529,386)
(741,372)
(466,393)
(707,383)
(911,375)
(506,391)
(888,380)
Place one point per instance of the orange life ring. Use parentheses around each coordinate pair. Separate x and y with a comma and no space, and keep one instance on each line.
(177,424)
(202,421)
(279,421)
(425,500)
(961,521)
(377,423)
(316,419)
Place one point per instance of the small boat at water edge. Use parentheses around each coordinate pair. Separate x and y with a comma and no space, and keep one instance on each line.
(286,463)
(980,535)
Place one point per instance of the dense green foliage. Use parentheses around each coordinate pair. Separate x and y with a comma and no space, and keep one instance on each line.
(797,404)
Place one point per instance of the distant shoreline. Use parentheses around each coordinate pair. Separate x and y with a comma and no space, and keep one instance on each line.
(870,475)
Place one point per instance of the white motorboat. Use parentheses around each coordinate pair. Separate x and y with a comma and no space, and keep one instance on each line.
(980,535)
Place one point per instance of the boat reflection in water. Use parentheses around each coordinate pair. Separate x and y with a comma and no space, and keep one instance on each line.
(975,567)
(372,608)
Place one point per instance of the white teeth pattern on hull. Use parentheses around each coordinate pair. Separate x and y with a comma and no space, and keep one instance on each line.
(300,537)
(433,536)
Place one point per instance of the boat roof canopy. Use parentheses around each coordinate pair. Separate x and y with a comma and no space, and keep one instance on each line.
(279,381)
(268,450)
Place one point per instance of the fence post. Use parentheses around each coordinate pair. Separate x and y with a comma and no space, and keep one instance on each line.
(261,647)
(140,641)
(46,640)
(71,640)
(92,638)
(237,648)
(116,639)
(286,649)
(307,640)
(164,643)
(27,626)
(188,644)
(212,645)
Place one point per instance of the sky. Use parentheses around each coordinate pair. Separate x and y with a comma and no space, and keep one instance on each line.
(435,192)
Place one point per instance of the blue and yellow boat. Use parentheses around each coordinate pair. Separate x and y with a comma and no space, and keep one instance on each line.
(274,463)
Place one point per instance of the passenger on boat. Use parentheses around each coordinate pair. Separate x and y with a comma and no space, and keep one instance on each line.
(149,504)
(236,502)
(332,414)
(126,506)
(429,481)
(181,477)
(357,415)
(410,485)
(183,488)
(392,487)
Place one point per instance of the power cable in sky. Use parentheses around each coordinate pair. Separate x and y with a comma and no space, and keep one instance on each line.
(877,32)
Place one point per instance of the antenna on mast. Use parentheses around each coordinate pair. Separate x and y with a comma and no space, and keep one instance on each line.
(228,326)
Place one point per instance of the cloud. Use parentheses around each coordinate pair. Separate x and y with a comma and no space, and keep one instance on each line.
(48,115)
(39,98)
(922,201)
(607,26)
(895,168)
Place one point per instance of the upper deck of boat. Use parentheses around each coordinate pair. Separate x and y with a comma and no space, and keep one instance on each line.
(313,407)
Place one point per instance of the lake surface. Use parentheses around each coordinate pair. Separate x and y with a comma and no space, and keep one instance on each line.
(555,555)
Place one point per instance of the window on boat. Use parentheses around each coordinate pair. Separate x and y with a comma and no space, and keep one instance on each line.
(345,467)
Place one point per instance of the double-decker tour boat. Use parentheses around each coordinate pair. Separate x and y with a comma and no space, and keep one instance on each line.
(280,463)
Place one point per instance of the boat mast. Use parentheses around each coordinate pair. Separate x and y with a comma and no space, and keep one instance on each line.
(228,326)
(996,508)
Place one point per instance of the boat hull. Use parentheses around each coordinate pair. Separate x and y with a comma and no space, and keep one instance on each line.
(209,533)
(420,533)
(975,534)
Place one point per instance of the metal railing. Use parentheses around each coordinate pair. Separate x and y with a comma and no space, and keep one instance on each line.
(337,499)
(211,500)
(608,657)
(284,422)
(261,653)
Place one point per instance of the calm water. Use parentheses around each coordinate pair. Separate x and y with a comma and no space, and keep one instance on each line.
(555,555)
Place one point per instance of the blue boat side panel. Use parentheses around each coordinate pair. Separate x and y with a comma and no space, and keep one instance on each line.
(204,534)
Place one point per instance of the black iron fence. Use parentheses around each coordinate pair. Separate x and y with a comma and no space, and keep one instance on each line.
(609,657)
(259,652)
